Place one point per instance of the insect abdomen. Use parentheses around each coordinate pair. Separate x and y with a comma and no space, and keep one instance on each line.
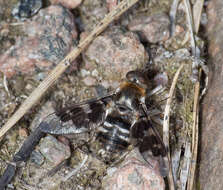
(115,133)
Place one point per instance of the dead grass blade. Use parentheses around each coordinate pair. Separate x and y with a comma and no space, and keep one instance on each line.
(184,173)
(173,13)
(166,127)
(61,67)
(190,26)
(197,10)
(176,157)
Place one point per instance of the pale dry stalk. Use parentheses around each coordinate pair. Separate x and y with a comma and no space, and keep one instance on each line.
(166,127)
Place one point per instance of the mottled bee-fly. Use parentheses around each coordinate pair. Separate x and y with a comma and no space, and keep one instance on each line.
(118,119)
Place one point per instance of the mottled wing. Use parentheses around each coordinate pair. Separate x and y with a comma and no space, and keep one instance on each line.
(150,137)
(77,118)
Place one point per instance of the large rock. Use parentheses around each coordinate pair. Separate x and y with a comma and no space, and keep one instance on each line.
(50,36)
(135,173)
(111,55)
(211,163)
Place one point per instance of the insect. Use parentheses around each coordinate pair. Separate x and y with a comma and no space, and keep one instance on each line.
(119,120)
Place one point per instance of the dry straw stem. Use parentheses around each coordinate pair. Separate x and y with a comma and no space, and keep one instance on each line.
(166,127)
(192,171)
(63,65)
(197,10)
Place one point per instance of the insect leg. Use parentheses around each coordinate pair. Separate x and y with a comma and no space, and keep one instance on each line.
(145,110)
(157,90)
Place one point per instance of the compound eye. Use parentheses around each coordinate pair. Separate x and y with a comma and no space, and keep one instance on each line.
(136,77)
(131,76)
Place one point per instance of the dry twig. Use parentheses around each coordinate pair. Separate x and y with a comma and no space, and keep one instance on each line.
(166,127)
(63,65)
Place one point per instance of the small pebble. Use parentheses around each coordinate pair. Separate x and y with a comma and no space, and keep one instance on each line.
(70,4)
(179,29)
(92,12)
(26,8)
(154,28)
(53,150)
(23,132)
(89,81)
